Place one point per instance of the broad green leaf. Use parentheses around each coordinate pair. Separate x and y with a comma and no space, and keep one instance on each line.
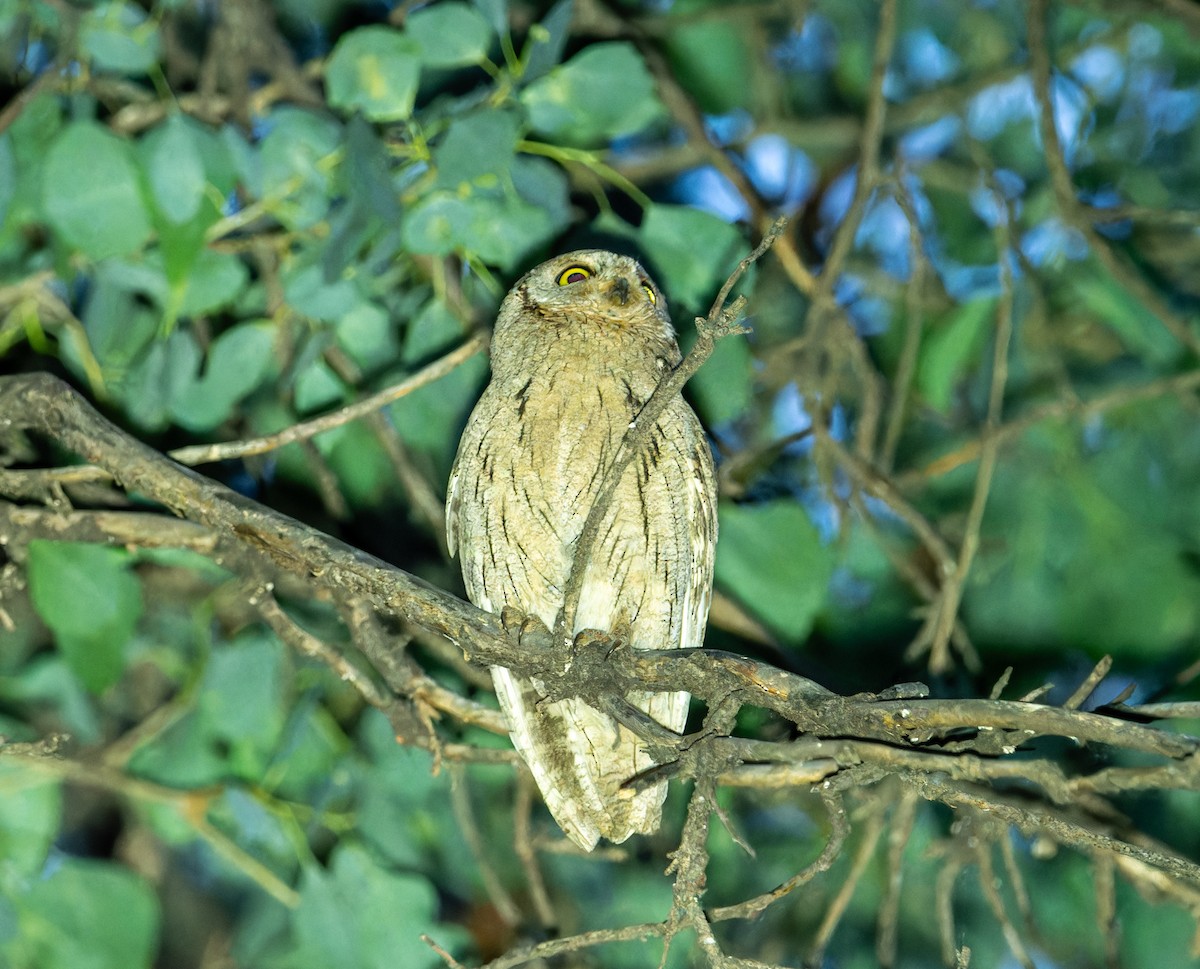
(1142,333)
(238,361)
(316,388)
(30,812)
(46,682)
(314,747)
(437,225)
(117,328)
(241,702)
(91,601)
(548,38)
(691,253)
(497,226)
(90,192)
(502,230)
(431,332)
(722,388)
(951,349)
(88,915)
(713,60)
(430,419)
(163,372)
(175,168)
(399,795)
(449,34)
(374,70)
(495,12)
(365,475)
(1082,546)
(215,280)
(771,559)
(360,914)
(296,159)
(477,151)
(366,333)
(118,37)
(599,94)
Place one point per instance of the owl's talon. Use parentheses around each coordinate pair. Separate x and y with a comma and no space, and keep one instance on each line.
(520,624)
(586,638)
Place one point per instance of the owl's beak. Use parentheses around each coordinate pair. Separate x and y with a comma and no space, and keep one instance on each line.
(620,289)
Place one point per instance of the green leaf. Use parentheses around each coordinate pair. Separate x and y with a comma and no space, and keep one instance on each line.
(477,151)
(296,169)
(713,60)
(366,333)
(90,192)
(548,39)
(46,682)
(399,795)
(374,70)
(117,328)
(723,388)
(691,252)
(599,94)
(437,224)
(1095,291)
(30,812)
(951,348)
(449,34)
(118,37)
(360,914)
(216,279)
(238,361)
(498,226)
(91,601)
(175,168)
(88,915)
(431,418)
(495,12)
(241,701)
(431,332)
(159,375)
(500,231)
(771,559)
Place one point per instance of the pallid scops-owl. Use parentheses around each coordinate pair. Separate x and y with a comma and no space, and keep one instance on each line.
(580,344)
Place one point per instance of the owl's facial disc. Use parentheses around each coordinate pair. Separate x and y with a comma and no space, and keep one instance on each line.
(603,280)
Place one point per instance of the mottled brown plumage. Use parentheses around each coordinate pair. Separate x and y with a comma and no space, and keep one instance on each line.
(580,344)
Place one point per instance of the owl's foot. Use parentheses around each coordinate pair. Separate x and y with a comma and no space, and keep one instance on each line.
(521,625)
(589,638)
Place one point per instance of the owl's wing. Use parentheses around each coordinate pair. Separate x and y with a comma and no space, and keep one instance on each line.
(702,522)
(453,507)
(700,512)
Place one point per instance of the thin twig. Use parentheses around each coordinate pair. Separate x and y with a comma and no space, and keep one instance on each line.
(205,453)
(838,832)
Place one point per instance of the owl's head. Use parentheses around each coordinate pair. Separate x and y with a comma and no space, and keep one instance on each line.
(590,297)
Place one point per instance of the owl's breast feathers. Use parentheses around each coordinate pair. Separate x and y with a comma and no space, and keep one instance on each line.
(530,464)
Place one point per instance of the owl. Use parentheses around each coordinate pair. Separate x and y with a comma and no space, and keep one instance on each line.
(580,343)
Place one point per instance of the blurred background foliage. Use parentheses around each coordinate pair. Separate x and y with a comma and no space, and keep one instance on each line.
(220,218)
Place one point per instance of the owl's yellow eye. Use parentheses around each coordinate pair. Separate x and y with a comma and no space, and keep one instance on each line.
(650,293)
(573,274)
